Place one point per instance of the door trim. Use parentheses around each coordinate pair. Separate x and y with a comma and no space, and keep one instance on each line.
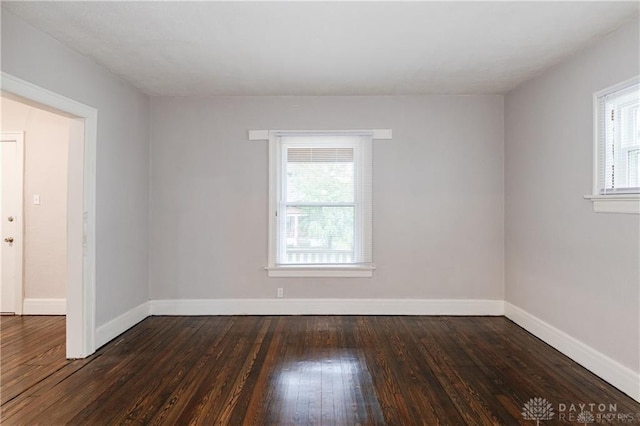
(18,292)
(81,211)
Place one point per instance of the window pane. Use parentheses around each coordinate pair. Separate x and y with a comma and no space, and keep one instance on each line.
(634,152)
(324,175)
(320,234)
(634,168)
(621,140)
(323,200)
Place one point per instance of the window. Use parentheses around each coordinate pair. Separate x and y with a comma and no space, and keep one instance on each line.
(321,204)
(617,149)
(619,140)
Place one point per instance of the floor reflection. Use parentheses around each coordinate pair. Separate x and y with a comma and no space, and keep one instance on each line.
(325,390)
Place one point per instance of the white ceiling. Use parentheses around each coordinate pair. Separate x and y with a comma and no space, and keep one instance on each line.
(333,48)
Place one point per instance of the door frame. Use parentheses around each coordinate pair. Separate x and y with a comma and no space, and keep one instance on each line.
(18,293)
(81,210)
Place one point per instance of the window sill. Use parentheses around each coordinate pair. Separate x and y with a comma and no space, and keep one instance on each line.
(320,271)
(618,203)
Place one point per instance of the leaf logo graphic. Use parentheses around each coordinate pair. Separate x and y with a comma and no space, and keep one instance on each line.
(585,417)
(537,409)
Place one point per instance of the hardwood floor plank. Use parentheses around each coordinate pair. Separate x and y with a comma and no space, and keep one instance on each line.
(290,370)
(422,386)
(219,385)
(365,406)
(181,396)
(147,404)
(467,364)
(241,381)
(144,374)
(44,344)
(97,378)
(395,408)
(261,397)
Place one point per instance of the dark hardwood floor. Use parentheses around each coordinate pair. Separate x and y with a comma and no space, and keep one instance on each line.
(295,370)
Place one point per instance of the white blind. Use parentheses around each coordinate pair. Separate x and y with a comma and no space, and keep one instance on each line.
(325,200)
(618,115)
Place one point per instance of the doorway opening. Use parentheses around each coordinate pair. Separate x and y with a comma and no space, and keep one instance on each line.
(33,213)
(80,210)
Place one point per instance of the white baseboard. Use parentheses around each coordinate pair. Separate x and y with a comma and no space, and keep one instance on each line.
(625,379)
(107,332)
(610,370)
(44,307)
(326,307)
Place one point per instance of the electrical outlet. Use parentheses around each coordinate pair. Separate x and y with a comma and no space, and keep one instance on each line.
(280,292)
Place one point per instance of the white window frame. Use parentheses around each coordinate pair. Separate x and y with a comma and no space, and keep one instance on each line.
(275,185)
(613,202)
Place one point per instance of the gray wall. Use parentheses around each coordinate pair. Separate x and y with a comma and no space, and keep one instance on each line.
(122,157)
(438,196)
(573,268)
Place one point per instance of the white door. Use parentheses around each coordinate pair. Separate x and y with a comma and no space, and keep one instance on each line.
(11,227)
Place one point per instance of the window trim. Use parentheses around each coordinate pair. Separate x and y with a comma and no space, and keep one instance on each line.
(614,202)
(294,271)
(273,270)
